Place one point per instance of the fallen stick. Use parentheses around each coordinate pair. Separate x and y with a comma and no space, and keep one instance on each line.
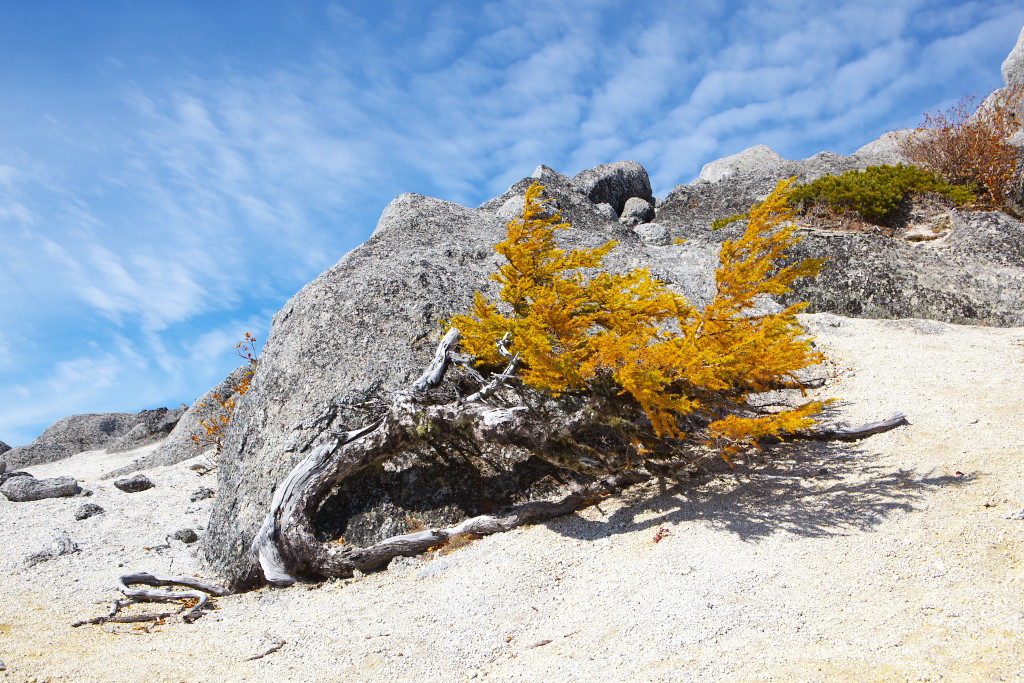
(200,594)
(853,433)
(126,619)
(278,644)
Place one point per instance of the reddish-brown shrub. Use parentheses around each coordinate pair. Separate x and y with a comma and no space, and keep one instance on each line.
(966,144)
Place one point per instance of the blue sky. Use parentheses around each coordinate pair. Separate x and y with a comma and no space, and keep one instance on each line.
(171,173)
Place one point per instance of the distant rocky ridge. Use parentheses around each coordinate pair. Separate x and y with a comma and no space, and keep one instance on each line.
(119,432)
(77,433)
(179,445)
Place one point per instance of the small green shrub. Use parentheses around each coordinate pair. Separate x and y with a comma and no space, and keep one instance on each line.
(877,193)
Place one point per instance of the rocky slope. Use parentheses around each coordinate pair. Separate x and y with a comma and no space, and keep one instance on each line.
(895,558)
(367,326)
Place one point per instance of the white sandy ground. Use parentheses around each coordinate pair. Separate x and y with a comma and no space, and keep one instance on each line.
(888,559)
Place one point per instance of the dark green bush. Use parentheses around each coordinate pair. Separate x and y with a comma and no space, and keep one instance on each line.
(876,193)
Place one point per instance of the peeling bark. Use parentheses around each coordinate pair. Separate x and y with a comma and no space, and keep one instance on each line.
(286,546)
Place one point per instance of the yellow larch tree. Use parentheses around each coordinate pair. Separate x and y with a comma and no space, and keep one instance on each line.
(629,338)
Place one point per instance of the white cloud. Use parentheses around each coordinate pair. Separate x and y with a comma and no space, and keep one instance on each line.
(223,190)
(5,351)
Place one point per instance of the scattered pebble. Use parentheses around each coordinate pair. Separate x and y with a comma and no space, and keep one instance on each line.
(185,535)
(63,545)
(202,493)
(88,510)
(139,482)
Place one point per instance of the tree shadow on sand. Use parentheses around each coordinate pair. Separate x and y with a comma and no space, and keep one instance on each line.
(809,489)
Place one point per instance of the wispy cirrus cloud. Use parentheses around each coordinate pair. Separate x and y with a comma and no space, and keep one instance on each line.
(182,199)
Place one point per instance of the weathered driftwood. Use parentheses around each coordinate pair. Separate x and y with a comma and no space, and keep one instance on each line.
(854,433)
(379,554)
(146,595)
(286,546)
(200,594)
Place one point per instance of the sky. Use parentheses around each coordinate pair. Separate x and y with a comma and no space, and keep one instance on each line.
(172,173)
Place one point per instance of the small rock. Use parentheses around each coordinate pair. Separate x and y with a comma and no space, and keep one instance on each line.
(63,545)
(185,536)
(3,667)
(614,183)
(21,489)
(1019,514)
(202,493)
(88,510)
(639,208)
(607,210)
(654,234)
(139,482)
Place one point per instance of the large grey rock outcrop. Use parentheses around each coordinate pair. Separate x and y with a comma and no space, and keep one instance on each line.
(150,426)
(366,327)
(4,448)
(614,183)
(27,488)
(975,274)
(72,435)
(1013,65)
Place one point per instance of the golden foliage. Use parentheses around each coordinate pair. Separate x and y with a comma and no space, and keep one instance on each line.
(215,427)
(629,334)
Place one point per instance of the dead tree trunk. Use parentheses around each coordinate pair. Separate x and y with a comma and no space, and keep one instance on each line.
(286,545)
